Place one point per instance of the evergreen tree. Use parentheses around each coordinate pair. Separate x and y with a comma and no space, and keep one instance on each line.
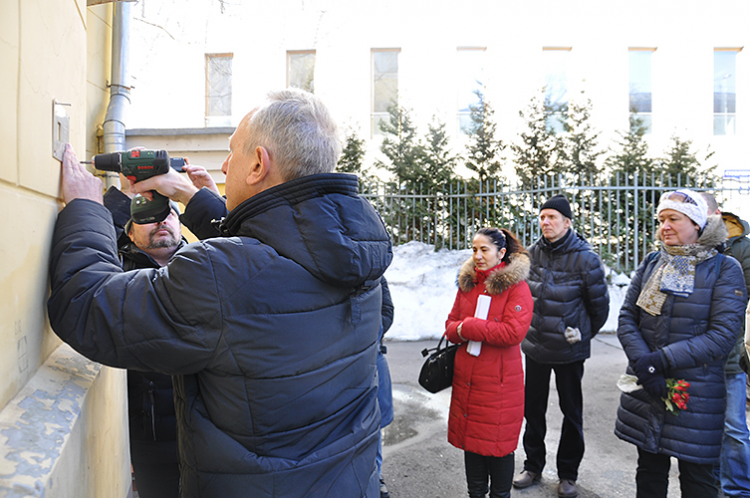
(579,147)
(679,163)
(484,149)
(400,146)
(536,155)
(353,154)
(633,155)
(438,163)
(631,162)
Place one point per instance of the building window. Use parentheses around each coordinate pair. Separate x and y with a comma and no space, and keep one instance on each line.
(555,61)
(639,104)
(218,89)
(300,70)
(471,82)
(384,85)
(725,91)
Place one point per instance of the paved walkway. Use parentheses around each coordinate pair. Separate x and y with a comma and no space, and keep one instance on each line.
(419,462)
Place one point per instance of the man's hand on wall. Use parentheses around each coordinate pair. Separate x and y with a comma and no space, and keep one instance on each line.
(77,183)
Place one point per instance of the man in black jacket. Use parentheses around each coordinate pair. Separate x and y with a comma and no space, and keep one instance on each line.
(571,304)
(270,331)
(151,414)
(734,468)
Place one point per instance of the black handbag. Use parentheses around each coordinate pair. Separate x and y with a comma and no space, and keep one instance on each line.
(437,370)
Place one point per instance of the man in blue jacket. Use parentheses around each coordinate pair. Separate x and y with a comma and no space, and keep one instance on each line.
(571,303)
(270,331)
(734,468)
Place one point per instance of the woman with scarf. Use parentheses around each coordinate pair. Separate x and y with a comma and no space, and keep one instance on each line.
(490,317)
(681,316)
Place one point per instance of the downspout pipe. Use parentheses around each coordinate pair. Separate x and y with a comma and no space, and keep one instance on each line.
(119,87)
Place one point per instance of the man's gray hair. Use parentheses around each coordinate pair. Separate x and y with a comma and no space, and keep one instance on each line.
(298,132)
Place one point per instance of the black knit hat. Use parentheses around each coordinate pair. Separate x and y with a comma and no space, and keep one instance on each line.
(558,203)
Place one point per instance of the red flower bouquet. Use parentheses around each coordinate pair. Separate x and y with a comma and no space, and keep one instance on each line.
(677,395)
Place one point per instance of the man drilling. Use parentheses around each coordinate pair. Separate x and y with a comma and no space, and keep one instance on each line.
(270,331)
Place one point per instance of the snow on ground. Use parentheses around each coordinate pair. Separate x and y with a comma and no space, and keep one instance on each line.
(423,287)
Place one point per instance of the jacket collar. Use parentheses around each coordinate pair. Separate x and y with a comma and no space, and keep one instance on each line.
(571,242)
(499,280)
(288,193)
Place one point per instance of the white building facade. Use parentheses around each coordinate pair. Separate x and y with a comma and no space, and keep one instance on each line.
(202,65)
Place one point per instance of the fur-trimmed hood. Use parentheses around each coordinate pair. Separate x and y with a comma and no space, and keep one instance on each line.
(517,270)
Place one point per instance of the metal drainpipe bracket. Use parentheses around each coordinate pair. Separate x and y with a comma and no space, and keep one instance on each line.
(60,129)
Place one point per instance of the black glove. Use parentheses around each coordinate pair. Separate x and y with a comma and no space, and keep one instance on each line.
(648,368)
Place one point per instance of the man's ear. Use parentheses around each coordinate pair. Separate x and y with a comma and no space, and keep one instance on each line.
(260,171)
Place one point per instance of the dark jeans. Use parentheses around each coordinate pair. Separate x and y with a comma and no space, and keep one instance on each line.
(156,468)
(570,449)
(652,477)
(480,470)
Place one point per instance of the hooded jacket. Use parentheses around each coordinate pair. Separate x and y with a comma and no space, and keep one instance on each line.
(738,246)
(486,410)
(570,290)
(694,335)
(270,333)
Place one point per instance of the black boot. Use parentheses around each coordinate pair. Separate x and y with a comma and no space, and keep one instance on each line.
(477,474)
(501,475)
(384,489)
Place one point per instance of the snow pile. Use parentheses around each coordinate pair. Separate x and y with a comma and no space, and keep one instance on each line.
(423,287)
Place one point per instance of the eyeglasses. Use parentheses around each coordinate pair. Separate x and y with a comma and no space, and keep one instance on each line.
(678,197)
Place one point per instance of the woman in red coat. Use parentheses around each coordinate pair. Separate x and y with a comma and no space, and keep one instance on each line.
(486,409)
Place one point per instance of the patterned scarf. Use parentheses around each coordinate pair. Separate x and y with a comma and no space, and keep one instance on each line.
(676,276)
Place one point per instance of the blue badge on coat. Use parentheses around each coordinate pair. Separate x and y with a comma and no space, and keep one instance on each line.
(518,307)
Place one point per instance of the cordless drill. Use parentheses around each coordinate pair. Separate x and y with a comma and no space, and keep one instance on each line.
(137,165)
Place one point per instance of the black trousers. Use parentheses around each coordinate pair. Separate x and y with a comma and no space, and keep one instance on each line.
(570,449)
(652,477)
(156,468)
(480,470)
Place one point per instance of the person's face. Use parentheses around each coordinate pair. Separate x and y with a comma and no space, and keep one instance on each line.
(676,229)
(161,235)
(237,166)
(486,254)
(554,224)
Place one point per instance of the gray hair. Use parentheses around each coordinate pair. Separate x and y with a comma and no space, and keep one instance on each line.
(298,132)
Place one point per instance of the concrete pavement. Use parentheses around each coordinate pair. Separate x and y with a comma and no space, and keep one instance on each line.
(419,462)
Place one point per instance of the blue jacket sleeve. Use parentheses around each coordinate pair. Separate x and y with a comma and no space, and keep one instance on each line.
(628,331)
(205,207)
(166,320)
(596,294)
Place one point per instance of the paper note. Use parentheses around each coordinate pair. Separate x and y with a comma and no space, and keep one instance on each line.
(483,309)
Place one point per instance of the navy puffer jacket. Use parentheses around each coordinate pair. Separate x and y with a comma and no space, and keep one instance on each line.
(270,332)
(570,290)
(695,334)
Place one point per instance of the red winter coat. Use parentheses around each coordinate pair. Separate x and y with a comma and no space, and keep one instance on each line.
(486,409)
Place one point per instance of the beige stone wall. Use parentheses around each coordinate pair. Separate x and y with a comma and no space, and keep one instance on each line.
(63,429)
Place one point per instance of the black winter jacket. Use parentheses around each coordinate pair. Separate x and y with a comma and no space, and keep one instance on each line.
(694,335)
(150,394)
(738,246)
(570,290)
(271,333)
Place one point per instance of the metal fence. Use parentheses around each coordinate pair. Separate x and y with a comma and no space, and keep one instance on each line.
(615,214)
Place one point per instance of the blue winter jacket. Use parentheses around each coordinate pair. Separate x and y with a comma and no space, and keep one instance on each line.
(271,333)
(694,335)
